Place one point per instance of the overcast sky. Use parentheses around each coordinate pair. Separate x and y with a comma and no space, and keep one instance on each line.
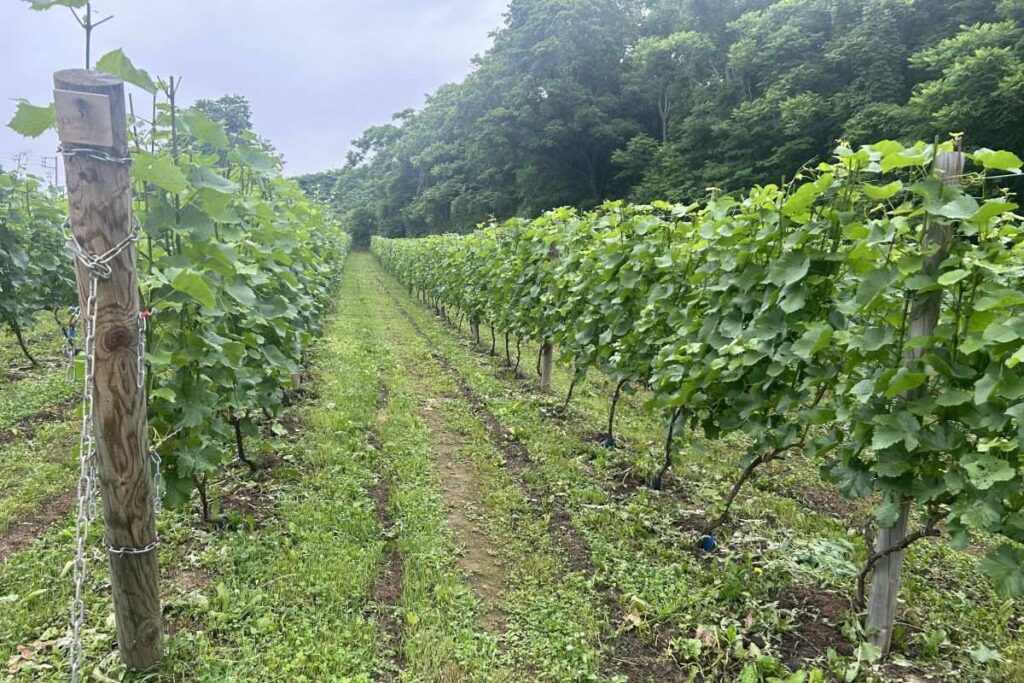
(317,72)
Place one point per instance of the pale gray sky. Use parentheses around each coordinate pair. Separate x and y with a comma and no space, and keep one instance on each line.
(317,72)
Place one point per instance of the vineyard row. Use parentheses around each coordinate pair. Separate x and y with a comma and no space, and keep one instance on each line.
(866,315)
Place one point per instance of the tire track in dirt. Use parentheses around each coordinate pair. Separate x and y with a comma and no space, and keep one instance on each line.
(516,458)
(387,587)
(463,496)
(634,656)
(462,492)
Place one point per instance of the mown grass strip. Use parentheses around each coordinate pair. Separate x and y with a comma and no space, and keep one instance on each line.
(441,637)
(284,599)
(551,617)
(778,555)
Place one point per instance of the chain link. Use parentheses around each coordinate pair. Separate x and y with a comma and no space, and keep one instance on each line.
(86,482)
(158,480)
(98,268)
(140,359)
(93,154)
(132,551)
(100,265)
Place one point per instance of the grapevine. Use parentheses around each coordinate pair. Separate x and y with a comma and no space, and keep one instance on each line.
(783,314)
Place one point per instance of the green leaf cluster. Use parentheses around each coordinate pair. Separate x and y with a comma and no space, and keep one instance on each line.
(787,314)
(35,270)
(238,269)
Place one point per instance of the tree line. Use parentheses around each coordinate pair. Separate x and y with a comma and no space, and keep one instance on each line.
(580,101)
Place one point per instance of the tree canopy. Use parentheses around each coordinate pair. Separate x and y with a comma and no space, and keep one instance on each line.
(580,101)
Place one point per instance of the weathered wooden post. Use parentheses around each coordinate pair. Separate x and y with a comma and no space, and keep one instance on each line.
(92,125)
(547,357)
(924,316)
(547,351)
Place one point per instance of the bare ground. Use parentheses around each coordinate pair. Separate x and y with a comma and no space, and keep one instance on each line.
(22,532)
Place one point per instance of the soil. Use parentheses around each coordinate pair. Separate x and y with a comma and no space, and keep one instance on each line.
(387,588)
(191,579)
(516,460)
(820,615)
(821,498)
(22,532)
(641,660)
(460,486)
(253,500)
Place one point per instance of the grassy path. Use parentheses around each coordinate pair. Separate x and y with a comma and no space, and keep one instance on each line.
(390,545)
(430,521)
(513,609)
(781,583)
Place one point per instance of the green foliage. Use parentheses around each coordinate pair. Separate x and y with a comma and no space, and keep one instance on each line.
(231,111)
(32,121)
(784,314)
(237,269)
(40,5)
(34,270)
(119,65)
(580,102)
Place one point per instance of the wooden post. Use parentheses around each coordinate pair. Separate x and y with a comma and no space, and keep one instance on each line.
(547,351)
(924,316)
(91,120)
(547,357)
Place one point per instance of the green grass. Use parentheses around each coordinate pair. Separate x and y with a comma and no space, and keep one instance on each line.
(289,596)
(553,619)
(27,397)
(38,427)
(288,591)
(24,390)
(35,469)
(43,338)
(775,546)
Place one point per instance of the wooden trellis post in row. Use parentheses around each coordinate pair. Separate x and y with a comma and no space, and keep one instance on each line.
(92,127)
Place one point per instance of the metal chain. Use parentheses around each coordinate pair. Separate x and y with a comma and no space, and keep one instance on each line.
(93,154)
(132,551)
(86,482)
(140,360)
(98,267)
(158,480)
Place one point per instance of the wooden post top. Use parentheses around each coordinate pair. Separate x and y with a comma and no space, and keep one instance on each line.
(88,103)
(85,79)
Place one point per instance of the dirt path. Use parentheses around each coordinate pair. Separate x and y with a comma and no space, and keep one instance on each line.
(534,602)
(637,658)
(460,486)
(479,554)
